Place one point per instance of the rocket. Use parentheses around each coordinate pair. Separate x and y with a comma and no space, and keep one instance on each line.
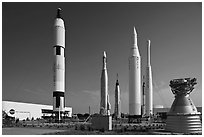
(104,87)
(134,78)
(117,100)
(143,96)
(149,89)
(59,63)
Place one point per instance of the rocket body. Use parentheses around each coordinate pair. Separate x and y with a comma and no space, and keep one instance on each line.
(59,64)
(149,88)
(143,97)
(117,100)
(135,79)
(104,87)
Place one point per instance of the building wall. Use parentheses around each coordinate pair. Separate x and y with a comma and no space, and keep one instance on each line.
(27,110)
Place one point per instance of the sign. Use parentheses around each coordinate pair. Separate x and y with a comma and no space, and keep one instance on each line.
(12,111)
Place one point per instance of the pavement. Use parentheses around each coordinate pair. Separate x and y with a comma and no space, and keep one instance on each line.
(27,131)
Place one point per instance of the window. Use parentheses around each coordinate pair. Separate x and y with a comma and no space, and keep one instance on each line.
(58,50)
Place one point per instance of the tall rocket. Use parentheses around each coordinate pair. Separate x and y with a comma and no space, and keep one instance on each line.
(149,89)
(134,78)
(59,63)
(117,100)
(104,87)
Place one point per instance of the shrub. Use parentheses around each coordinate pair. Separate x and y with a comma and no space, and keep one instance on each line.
(102,130)
(82,127)
(75,127)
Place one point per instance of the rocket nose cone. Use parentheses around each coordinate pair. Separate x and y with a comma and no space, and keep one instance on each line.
(135,32)
(148,42)
(104,54)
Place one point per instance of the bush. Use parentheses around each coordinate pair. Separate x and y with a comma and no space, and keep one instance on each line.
(27,119)
(82,127)
(125,129)
(75,127)
(102,130)
(90,128)
(120,130)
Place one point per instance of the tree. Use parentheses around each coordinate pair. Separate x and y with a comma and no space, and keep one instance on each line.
(86,115)
(27,119)
(4,114)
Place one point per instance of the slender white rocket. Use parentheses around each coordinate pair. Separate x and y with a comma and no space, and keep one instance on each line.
(59,63)
(149,88)
(134,78)
(104,87)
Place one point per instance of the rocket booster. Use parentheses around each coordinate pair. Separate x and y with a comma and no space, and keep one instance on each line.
(134,78)
(117,100)
(104,87)
(149,88)
(59,63)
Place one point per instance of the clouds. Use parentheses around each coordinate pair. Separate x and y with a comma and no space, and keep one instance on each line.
(95,93)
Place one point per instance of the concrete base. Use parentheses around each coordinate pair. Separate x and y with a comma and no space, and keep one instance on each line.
(102,122)
(134,118)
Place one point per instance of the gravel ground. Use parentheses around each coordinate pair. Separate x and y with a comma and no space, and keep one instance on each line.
(79,132)
(28,131)
(72,131)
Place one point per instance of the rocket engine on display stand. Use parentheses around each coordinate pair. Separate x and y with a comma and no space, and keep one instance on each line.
(183,116)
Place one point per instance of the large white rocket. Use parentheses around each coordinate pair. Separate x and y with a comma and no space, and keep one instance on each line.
(105,104)
(149,88)
(59,64)
(134,78)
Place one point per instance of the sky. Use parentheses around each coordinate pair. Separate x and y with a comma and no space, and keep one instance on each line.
(175,31)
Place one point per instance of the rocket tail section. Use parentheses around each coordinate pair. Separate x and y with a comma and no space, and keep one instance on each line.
(108,105)
(149,92)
